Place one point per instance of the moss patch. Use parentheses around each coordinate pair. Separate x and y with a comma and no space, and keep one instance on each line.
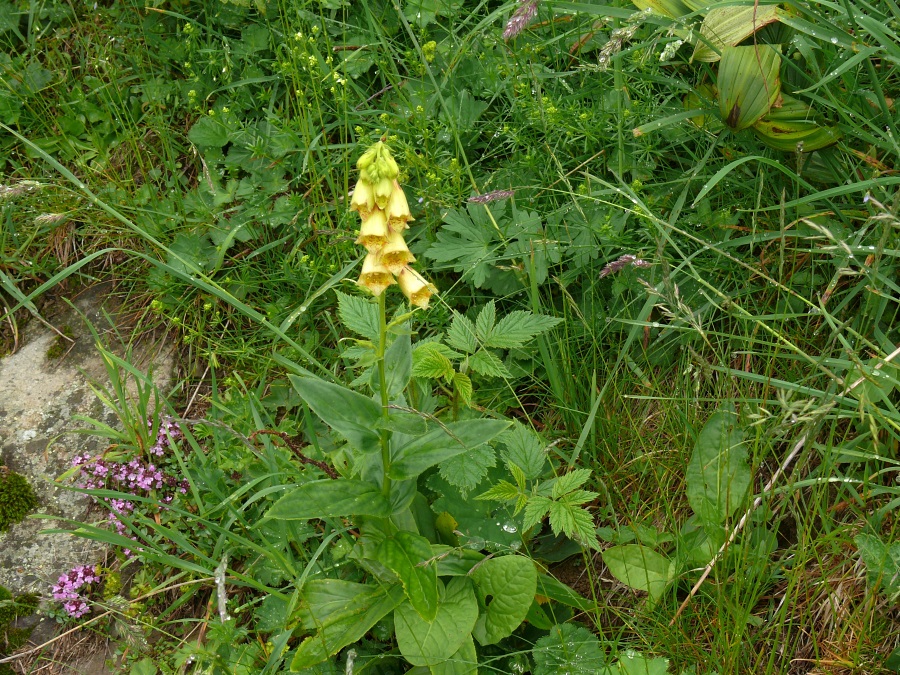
(17,498)
(61,345)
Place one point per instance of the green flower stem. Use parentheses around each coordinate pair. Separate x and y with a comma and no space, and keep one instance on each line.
(382,386)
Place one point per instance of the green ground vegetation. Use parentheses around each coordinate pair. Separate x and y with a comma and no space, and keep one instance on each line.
(649,422)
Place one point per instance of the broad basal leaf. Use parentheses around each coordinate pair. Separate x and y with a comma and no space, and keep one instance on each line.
(729,26)
(331,499)
(506,587)
(718,475)
(442,444)
(429,643)
(347,630)
(352,415)
(568,650)
(640,568)
(405,554)
(748,83)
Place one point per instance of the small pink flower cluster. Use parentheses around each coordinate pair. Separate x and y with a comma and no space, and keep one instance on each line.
(71,587)
(137,477)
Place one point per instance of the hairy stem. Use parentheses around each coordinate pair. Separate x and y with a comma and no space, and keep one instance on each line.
(382,386)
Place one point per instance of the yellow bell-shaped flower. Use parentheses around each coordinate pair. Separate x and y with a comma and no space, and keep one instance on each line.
(373,233)
(375,276)
(415,287)
(395,255)
(398,210)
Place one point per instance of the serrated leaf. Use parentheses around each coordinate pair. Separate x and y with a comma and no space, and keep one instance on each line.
(440,445)
(578,497)
(573,521)
(517,474)
(430,362)
(570,481)
(486,363)
(635,663)
(524,449)
(535,510)
(352,415)
(568,650)
(506,587)
(640,568)
(329,498)
(462,384)
(429,643)
(403,554)
(503,491)
(518,328)
(718,475)
(209,132)
(484,322)
(359,315)
(465,471)
(462,334)
(467,240)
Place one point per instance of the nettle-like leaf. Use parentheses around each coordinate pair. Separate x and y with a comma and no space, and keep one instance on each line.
(465,471)
(462,384)
(432,360)
(462,334)
(524,449)
(487,363)
(441,444)
(359,315)
(568,650)
(485,321)
(570,481)
(518,328)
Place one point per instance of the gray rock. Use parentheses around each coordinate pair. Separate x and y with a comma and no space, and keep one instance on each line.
(38,398)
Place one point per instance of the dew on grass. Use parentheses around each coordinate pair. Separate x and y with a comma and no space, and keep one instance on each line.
(834,40)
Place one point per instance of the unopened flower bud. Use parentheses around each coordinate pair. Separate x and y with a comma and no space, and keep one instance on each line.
(395,255)
(365,161)
(383,190)
(398,214)
(362,199)
(373,233)
(415,287)
(375,276)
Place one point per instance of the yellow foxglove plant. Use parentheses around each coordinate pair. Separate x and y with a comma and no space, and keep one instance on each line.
(384,213)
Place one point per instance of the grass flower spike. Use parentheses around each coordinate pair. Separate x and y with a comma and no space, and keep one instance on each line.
(379,199)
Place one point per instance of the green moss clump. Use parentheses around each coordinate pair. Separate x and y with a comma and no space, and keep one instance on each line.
(60,345)
(12,638)
(17,498)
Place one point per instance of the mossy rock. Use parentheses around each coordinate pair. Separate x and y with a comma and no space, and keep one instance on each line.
(17,498)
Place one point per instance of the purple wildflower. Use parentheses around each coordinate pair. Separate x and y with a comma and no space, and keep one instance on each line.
(494,196)
(72,586)
(622,262)
(524,13)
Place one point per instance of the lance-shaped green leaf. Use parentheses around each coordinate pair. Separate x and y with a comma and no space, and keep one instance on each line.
(640,568)
(674,9)
(405,554)
(440,444)
(506,586)
(331,499)
(718,475)
(334,636)
(748,84)
(729,26)
(352,415)
(325,601)
(429,643)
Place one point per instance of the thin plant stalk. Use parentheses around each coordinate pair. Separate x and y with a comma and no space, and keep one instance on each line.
(382,386)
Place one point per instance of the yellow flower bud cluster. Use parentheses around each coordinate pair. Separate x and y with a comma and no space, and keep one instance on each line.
(384,212)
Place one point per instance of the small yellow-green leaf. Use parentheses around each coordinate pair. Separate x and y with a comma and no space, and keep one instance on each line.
(748,84)
(729,26)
